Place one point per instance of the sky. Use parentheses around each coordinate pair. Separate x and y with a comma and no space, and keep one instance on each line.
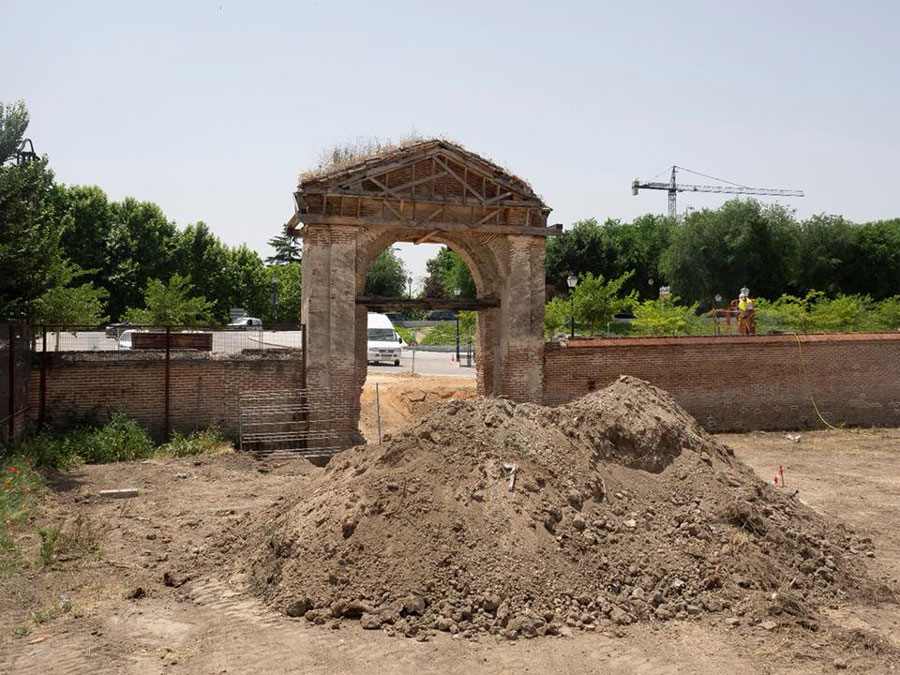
(212,109)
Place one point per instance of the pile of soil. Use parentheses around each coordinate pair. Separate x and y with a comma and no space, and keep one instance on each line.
(517,520)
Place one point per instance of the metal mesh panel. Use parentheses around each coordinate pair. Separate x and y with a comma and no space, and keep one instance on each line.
(291,423)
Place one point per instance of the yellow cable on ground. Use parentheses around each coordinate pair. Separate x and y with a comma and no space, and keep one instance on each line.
(809,387)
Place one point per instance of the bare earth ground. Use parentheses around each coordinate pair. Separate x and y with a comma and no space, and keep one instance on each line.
(183,503)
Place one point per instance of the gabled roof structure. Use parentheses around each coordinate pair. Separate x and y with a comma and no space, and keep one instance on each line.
(431,185)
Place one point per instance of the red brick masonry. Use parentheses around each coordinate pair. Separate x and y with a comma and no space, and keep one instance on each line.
(740,384)
(204,391)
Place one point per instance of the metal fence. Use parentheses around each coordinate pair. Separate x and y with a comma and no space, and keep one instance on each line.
(32,358)
(124,337)
(15,368)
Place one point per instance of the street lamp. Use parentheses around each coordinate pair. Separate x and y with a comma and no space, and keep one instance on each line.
(456,291)
(572,281)
(409,281)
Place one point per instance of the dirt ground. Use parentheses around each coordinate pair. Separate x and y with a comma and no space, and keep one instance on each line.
(117,611)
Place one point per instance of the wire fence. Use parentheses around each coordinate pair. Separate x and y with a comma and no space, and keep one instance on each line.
(143,338)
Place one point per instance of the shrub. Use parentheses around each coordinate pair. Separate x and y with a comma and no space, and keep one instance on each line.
(886,314)
(119,440)
(597,300)
(665,317)
(557,313)
(443,334)
(200,442)
(815,313)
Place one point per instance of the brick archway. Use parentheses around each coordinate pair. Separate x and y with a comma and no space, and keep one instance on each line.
(433,192)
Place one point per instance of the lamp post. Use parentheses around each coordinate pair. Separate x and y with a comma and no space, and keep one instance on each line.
(572,281)
(456,291)
(409,281)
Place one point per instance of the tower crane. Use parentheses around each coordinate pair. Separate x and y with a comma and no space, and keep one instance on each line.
(673,187)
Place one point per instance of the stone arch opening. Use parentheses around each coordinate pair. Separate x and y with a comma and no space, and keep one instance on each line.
(487,274)
(431,191)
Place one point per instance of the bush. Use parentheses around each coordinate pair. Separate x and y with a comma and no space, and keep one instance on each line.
(816,313)
(443,334)
(665,317)
(200,442)
(557,313)
(119,440)
(886,314)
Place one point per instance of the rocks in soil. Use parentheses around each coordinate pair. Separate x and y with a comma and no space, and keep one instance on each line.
(624,510)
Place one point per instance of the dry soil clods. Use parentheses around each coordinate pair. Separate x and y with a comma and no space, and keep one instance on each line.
(487,516)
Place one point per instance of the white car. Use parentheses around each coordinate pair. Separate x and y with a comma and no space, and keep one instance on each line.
(125,339)
(383,343)
(247,322)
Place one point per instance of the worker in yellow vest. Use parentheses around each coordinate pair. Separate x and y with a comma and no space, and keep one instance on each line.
(746,318)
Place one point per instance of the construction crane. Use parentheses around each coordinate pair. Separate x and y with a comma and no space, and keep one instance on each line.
(673,187)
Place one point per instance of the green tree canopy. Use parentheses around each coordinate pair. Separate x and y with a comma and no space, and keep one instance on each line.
(287,249)
(387,276)
(171,305)
(30,254)
(722,250)
(71,305)
(597,300)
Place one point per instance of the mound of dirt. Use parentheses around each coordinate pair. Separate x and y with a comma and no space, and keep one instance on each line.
(487,516)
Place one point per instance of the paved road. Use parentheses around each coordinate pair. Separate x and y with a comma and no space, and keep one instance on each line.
(428,363)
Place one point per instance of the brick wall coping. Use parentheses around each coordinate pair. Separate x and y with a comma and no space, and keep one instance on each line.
(721,340)
(158,355)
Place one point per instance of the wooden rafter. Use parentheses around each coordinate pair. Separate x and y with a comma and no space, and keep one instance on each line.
(453,174)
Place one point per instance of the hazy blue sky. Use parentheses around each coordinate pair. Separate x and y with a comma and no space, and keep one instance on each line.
(212,109)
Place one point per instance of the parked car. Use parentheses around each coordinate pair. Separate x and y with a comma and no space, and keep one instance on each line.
(125,339)
(382,341)
(396,317)
(115,330)
(441,315)
(247,322)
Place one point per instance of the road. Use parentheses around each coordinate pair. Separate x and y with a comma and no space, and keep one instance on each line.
(428,363)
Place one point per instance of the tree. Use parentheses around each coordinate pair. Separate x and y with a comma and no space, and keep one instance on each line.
(140,246)
(288,289)
(30,255)
(387,276)
(438,269)
(720,251)
(287,249)
(585,248)
(86,228)
(171,305)
(13,123)
(70,305)
(826,250)
(597,300)
(447,271)
(556,313)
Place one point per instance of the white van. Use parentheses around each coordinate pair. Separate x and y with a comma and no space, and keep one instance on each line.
(383,343)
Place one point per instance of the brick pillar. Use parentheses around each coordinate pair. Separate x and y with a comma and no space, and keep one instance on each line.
(329,312)
(521,333)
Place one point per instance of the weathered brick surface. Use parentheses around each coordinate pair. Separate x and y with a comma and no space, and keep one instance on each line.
(739,384)
(203,391)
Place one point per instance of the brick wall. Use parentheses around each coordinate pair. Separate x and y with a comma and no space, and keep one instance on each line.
(739,384)
(203,391)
